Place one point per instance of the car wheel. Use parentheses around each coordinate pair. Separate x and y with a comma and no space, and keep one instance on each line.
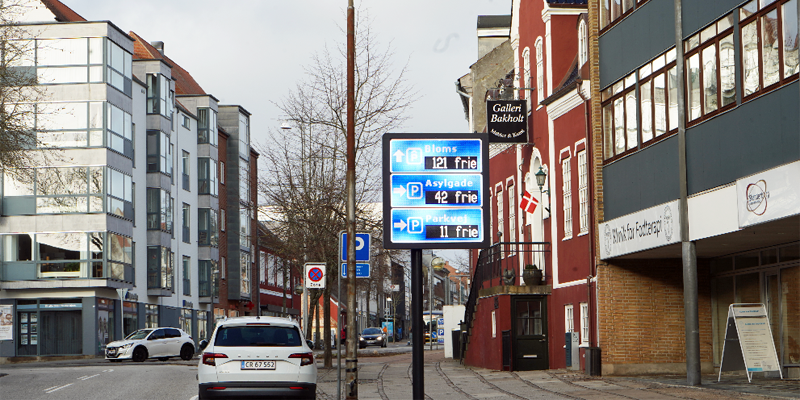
(187,351)
(139,354)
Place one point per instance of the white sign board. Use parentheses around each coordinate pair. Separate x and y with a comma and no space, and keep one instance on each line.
(653,227)
(315,276)
(6,322)
(769,195)
(748,341)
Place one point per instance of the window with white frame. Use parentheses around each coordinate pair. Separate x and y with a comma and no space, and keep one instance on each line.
(583,191)
(569,322)
(566,174)
(512,214)
(583,49)
(500,222)
(539,70)
(584,324)
(526,72)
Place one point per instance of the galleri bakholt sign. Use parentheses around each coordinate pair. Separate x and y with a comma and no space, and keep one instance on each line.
(507,121)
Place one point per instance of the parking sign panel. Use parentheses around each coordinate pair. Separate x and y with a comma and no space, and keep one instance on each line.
(434,188)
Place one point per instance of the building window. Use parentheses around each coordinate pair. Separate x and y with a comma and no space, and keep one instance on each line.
(612,11)
(120,130)
(160,268)
(222,172)
(223,268)
(208,282)
(539,70)
(569,322)
(159,152)
(185,216)
(187,276)
(566,177)
(512,213)
(223,220)
(710,76)
(207,126)
(244,226)
(159,95)
(583,192)
(526,74)
(207,232)
(159,210)
(151,316)
(583,47)
(270,270)
(500,217)
(207,176)
(529,318)
(185,168)
(769,45)
(186,122)
(584,324)
(658,94)
(620,127)
(245,272)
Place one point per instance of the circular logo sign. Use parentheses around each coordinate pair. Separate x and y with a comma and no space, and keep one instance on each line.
(757,196)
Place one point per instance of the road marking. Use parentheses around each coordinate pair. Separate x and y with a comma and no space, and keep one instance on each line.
(58,388)
(107,370)
(83,378)
(50,388)
(194,397)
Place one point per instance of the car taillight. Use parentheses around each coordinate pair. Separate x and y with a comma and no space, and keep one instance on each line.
(210,358)
(305,358)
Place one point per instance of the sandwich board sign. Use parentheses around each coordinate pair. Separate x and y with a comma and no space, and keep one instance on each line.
(748,341)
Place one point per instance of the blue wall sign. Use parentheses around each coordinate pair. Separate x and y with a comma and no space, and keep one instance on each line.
(434,188)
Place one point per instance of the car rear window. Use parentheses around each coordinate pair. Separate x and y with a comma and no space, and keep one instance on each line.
(257,335)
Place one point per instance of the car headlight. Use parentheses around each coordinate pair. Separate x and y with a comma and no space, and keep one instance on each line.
(125,346)
(361,339)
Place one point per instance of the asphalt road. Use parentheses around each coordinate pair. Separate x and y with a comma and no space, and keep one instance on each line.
(101,381)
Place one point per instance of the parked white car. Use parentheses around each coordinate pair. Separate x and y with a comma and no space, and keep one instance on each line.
(160,343)
(257,357)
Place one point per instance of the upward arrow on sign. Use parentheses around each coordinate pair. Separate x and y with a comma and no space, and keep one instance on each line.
(399,156)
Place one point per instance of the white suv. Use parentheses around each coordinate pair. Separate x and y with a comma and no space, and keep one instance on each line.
(160,343)
(257,357)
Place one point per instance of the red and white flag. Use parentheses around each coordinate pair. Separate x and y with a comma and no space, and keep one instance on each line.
(528,202)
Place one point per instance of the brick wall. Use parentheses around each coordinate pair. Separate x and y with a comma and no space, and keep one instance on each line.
(641,316)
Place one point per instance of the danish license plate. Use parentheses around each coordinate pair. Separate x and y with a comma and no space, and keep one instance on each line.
(258,364)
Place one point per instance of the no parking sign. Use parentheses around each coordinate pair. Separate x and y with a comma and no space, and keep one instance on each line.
(315,276)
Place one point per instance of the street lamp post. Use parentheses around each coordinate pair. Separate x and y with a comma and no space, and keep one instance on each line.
(436,262)
(541,177)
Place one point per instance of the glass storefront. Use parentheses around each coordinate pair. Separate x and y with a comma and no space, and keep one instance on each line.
(769,276)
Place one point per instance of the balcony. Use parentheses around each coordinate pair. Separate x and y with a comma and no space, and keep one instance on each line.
(69,273)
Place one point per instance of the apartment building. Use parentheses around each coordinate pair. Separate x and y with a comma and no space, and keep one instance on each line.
(127,221)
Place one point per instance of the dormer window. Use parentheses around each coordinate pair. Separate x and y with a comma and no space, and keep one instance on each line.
(583,48)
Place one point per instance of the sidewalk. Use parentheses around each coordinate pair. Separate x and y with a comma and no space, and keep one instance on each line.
(390,378)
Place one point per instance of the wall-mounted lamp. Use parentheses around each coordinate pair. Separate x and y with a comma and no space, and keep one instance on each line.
(541,177)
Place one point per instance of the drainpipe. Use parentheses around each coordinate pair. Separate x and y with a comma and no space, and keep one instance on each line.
(688,250)
(590,190)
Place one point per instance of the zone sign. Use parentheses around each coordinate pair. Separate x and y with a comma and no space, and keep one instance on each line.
(315,276)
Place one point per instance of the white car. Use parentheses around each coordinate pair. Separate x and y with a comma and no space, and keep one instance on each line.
(160,343)
(257,357)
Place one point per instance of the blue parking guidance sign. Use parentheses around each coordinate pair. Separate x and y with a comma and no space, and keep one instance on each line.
(362,270)
(434,193)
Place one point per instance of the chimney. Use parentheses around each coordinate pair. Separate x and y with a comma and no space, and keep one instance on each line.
(159,45)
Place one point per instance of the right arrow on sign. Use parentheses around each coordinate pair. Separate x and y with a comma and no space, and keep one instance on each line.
(399,190)
(401,225)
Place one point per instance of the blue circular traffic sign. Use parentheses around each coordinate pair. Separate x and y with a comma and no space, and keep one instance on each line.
(315,274)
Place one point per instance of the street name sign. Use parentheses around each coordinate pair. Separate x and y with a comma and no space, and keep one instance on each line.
(315,276)
(434,188)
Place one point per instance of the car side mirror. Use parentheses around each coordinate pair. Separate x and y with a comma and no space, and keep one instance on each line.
(310,344)
(202,345)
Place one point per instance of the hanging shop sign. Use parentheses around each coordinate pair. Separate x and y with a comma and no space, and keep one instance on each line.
(748,341)
(507,121)
(769,195)
(653,227)
(434,185)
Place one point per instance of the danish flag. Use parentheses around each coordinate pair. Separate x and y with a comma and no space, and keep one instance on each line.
(528,202)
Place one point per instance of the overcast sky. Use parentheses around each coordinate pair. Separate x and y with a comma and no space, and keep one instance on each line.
(252,52)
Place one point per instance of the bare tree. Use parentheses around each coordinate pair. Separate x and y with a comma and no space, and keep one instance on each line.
(303,182)
(19,95)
